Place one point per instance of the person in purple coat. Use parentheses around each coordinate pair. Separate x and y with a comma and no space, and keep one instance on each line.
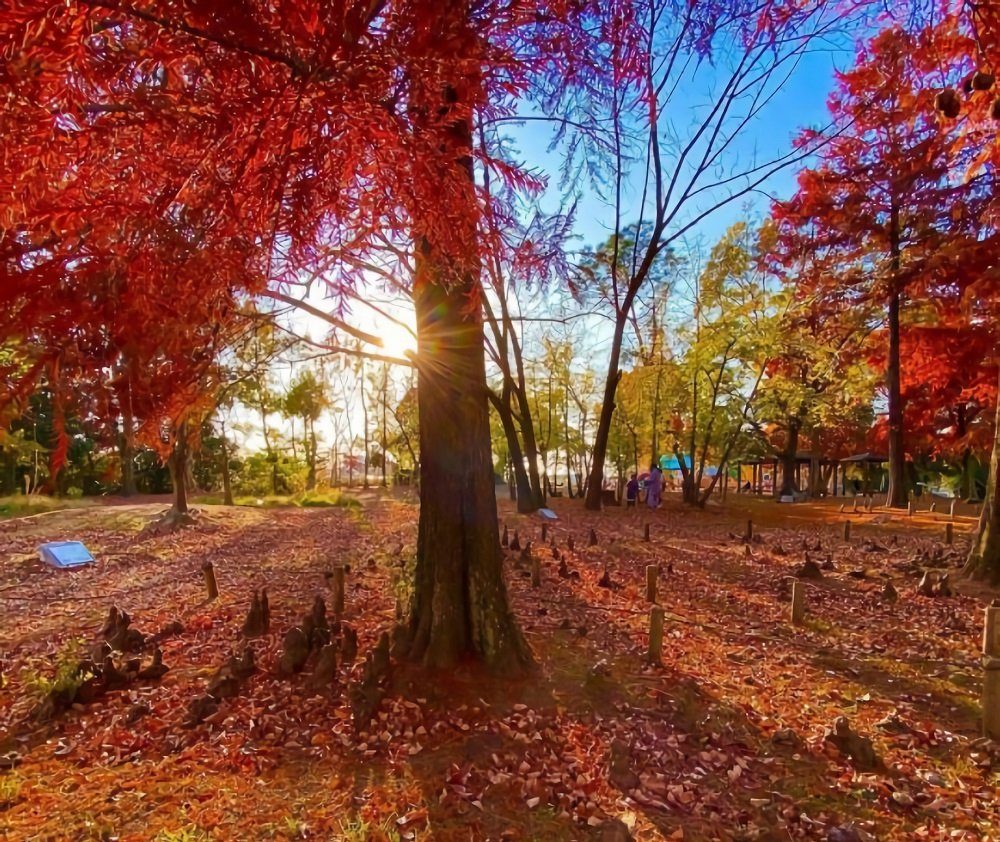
(654,485)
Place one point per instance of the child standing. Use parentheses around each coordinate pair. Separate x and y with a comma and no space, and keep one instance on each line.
(631,492)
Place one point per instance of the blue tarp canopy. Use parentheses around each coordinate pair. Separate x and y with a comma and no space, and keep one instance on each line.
(65,554)
(671,463)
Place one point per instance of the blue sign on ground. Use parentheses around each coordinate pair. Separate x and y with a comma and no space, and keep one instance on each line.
(64,554)
(548,514)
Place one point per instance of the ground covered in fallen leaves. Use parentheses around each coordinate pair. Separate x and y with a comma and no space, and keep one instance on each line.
(725,738)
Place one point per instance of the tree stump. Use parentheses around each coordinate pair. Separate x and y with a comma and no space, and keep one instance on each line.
(349,644)
(211,586)
(339,587)
(847,530)
(570,543)
(748,536)
(605,580)
(325,673)
(620,772)
(200,709)
(889,593)
(295,652)
(593,539)
(949,533)
(536,572)
(798,609)
(645,533)
(156,669)
(515,542)
(854,746)
(255,624)
(505,539)
(652,573)
(926,585)
(809,569)
(654,653)
(545,530)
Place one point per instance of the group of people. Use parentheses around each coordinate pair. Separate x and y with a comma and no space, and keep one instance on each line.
(653,485)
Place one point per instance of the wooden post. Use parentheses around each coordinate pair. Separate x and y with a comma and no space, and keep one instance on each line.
(847,530)
(338,591)
(545,529)
(910,509)
(652,572)
(208,571)
(798,603)
(645,535)
(536,571)
(951,512)
(749,534)
(655,635)
(949,533)
(991,673)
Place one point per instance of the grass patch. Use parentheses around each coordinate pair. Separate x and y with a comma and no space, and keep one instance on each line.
(306,499)
(19,505)
(357,830)
(67,676)
(10,790)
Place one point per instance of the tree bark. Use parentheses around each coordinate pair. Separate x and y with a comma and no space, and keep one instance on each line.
(364,417)
(126,453)
(177,465)
(897,497)
(460,610)
(385,402)
(984,557)
(595,482)
(309,440)
(524,494)
(227,484)
(788,462)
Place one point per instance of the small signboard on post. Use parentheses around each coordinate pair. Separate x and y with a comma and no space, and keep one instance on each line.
(65,554)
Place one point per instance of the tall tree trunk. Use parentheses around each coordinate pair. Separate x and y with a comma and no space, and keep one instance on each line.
(788,461)
(897,497)
(965,484)
(524,495)
(385,402)
(460,607)
(984,558)
(310,445)
(530,451)
(595,482)
(227,484)
(126,451)
(272,457)
(364,418)
(177,465)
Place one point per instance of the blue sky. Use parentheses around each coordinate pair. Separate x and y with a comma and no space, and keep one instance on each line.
(801,102)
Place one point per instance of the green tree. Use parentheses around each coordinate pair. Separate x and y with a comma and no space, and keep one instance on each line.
(308,399)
